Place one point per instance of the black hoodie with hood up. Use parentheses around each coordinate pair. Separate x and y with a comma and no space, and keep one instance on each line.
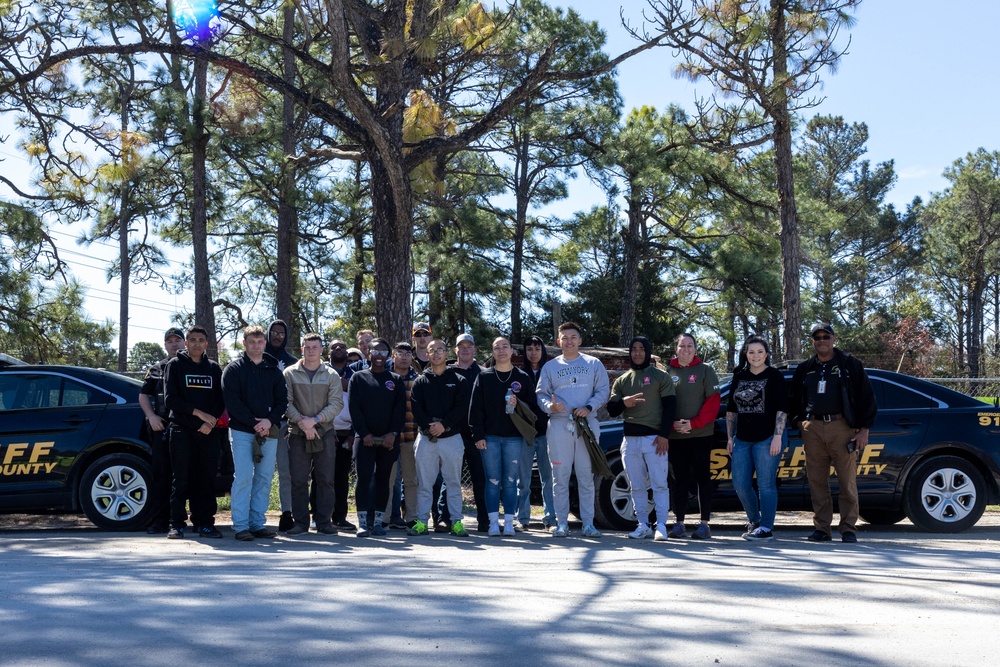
(655,415)
(542,417)
(283,356)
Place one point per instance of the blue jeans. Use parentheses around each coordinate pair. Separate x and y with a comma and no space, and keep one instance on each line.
(502,461)
(540,451)
(251,492)
(756,456)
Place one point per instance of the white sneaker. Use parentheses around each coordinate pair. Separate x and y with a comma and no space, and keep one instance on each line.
(661,533)
(642,532)
(562,530)
(494,530)
(590,531)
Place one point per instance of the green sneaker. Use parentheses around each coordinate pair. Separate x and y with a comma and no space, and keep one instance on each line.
(418,528)
(458,530)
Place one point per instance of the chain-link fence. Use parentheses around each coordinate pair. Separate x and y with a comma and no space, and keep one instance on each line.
(985,388)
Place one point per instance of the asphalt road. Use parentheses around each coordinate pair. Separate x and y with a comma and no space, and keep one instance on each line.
(77,596)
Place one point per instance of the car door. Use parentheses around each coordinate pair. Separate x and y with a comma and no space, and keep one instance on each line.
(46,420)
(904,417)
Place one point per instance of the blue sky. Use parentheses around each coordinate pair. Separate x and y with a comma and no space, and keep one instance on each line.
(919,75)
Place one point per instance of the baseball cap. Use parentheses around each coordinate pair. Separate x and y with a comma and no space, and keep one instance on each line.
(822,327)
(465,338)
(173,331)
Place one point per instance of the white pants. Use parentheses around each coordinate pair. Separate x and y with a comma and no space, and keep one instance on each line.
(646,469)
(444,456)
(567,450)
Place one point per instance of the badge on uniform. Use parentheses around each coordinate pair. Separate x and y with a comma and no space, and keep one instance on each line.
(515,387)
(390,385)
(821,387)
(692,378)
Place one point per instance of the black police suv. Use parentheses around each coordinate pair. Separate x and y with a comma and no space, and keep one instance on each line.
(71,440)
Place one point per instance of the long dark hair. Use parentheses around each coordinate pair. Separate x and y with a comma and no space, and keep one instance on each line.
(744,363)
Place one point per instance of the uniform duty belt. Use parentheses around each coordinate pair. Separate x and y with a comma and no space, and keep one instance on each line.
(826,418)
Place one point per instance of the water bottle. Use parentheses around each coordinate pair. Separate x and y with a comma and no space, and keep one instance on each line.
(507,405)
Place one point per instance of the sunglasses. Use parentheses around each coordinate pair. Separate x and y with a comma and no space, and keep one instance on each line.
(380,353)
(822,337)
(421,334)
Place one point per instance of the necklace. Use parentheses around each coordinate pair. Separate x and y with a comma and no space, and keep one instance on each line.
(507,379)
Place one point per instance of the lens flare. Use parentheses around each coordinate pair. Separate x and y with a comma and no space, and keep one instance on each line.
(196,20)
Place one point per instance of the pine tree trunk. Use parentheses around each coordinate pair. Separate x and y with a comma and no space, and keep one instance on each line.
(124,220)
(630,274)
(287,232)
(791,306)
(204,313)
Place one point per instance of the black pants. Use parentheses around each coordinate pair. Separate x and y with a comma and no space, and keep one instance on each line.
(691,460)
(194,458)
(473,462)
(342,474)
(374,463)
(159,497)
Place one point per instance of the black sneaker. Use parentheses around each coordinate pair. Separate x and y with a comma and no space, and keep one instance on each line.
(209,531)
(175,534)
(442,527)
(851,538)
(244,536)
(759,533)
(398,524)
(157,529)
(286,521)
(818,536)
(345,524)
(264,532)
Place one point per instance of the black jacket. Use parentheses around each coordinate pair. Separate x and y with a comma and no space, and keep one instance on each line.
(190,386)
(443,398)
(377,403)
(487,415)
(254,391)
(858,396)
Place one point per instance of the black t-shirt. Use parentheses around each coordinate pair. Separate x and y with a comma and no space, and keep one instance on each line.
(823,389)
(152,386)
(757,399)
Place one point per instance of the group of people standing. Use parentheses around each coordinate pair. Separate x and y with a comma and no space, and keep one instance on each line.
(672,414)
(400,412)
(410,420)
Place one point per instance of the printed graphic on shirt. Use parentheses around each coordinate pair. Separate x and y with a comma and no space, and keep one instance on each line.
(515,387)
(646,380)
(692,378)
(750,396)
(572,370)
(390,385)
(198,381)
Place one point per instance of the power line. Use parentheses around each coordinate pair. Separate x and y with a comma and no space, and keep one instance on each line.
(130,298)
(101,243)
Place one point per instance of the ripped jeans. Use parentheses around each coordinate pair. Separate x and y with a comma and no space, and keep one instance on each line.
(502,463)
